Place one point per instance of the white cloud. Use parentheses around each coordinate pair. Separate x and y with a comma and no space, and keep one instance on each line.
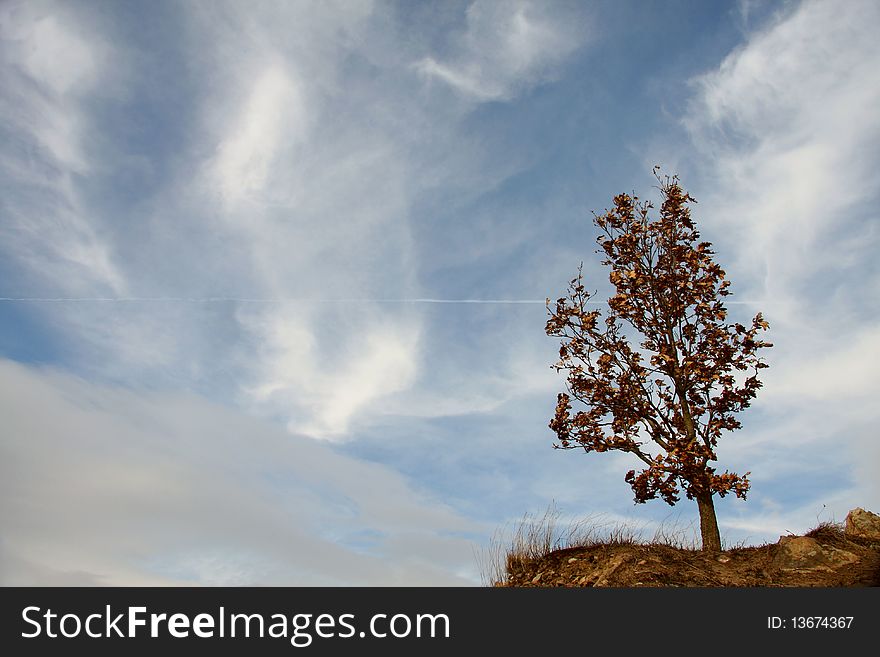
(106,486)
(321,384)
(54,65)
(62,63)
(505,48)
(787,123)
(835,372)
(52,53)
(273,116)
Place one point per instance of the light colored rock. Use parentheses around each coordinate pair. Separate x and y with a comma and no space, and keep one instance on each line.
(602,576)
(863,524)
(804,553)
(537,578)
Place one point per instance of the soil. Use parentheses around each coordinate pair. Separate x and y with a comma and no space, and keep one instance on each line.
(658,565)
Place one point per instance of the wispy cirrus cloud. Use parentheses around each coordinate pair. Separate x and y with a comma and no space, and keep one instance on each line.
(505,48)
(320,382)
(787,123)
(55,64)
(272,116)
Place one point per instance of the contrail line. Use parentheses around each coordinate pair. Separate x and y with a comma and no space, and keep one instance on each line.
(256,300)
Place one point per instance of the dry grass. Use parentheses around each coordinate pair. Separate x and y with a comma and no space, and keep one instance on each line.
(536,536)
(828,532)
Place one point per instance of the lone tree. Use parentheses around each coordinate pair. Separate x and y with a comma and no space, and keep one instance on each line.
(690,373)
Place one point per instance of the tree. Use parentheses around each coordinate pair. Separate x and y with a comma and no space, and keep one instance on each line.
(691,372)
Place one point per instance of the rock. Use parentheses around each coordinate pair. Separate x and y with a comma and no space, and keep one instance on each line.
(863,524)
(805,553)
(601,577)
(537,578)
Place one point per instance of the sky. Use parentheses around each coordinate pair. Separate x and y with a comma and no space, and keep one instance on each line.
(272,274)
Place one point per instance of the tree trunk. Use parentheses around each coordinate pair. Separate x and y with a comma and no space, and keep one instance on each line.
(708,523)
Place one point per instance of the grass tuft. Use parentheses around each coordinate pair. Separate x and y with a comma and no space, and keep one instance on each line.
(828,532)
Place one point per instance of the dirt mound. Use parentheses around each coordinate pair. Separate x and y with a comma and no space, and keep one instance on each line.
(825,556)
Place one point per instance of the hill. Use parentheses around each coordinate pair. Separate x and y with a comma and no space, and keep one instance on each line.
(831,555)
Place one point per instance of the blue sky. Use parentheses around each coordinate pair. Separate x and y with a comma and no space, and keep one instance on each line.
(227,230)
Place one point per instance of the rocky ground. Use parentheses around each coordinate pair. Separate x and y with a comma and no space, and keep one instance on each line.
(830,556)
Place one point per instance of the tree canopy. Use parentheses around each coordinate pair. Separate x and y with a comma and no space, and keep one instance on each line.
(663,366)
